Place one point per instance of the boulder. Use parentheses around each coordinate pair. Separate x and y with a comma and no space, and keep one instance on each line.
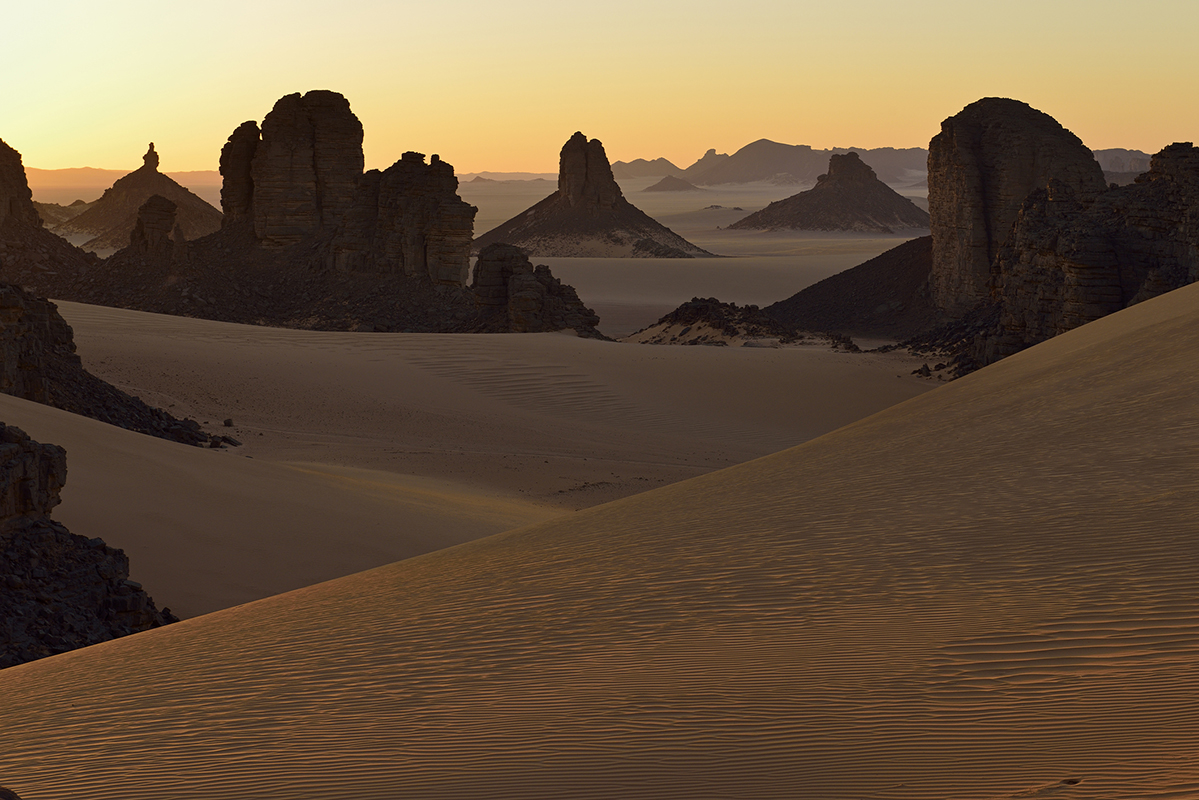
(981,167)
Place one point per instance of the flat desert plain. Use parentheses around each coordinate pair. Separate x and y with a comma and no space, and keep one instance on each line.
(988,590)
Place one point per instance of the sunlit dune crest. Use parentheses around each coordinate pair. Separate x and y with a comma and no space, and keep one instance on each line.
(986,591)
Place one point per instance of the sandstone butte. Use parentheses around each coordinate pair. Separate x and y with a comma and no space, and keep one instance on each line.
(850,197)
(588,216)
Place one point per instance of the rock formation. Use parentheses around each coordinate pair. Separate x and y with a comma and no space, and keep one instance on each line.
(672,184)
(408,219)
(40,364)
(59,591)
(16,200)
(530,298)
(1069,262)
(848,198)
(111,219)
(588,216)
(981,167)
(151,235)
(237,182)
(303,171)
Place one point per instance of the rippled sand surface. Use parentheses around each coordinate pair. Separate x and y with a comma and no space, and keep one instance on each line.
(989,591)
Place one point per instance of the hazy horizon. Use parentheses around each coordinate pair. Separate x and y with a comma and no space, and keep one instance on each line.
(498,89)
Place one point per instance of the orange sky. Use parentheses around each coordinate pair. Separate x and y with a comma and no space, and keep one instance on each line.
(500,86)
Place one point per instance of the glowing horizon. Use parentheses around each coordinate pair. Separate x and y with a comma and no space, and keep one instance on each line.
(500,88)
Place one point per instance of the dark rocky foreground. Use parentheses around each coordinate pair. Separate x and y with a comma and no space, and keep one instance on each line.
(58,591)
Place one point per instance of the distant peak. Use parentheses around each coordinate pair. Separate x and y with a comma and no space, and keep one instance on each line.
(150,159)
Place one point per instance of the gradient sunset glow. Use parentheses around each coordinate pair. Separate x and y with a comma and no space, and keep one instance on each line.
(493,86)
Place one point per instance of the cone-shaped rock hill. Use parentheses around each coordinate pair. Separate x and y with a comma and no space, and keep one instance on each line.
(588,216)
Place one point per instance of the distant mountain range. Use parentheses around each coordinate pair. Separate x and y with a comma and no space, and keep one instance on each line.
(765,160)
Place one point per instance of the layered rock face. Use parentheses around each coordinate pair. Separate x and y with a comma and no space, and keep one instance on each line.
(16,200)
(408,219)
(305,168)
(111,219)
(588,216)
(850,197)
(155,225)
(237,182)
(981,167)
(1069,262)
(58,591)
(32,335)
(531,298)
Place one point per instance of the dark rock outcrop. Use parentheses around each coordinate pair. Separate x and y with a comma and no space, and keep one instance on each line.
(588,216)
(981,167)
(305,168)
(850,197)
(408,219)
(886,296)
(151,235)
(237,181)
(1069,262)
(16,200)
(58,591)
(111,219)
(40,364)
(520,298)
(706,320)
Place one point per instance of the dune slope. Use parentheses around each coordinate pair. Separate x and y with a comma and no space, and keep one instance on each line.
(989,591)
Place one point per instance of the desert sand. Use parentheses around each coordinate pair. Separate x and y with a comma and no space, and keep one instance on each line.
(986,591)
(364,448)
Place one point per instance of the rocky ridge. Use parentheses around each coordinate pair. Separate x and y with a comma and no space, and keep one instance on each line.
(60,591)
(588,216)
(673,184)
(1068,262)
(849,197)
(111,219)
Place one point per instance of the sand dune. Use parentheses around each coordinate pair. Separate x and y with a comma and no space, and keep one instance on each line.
(988,591)
(362,449)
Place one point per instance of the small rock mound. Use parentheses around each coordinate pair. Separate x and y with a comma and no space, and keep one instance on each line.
(708,321)
(588,216)
(850,197)
(58,591)
(520,298)
(672,184)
